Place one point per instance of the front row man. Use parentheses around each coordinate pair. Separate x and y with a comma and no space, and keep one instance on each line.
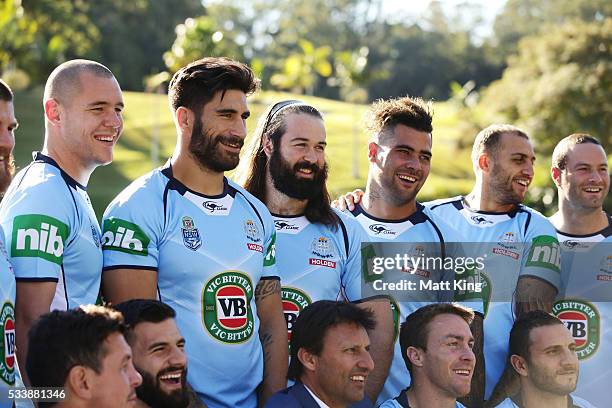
(543,353)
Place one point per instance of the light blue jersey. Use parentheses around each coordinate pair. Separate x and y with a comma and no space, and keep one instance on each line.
(401,401)
(585,306)
(52,234)
(8,366)
(519,243)
(417,228)
(210,252)
(575,402)
(317,262)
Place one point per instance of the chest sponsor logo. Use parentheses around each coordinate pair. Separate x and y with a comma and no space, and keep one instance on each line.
(294,301)
(583,321)
(545,253)
(380,229)
(226,305)
(124,236)
(41,236)
(7,344)
(213,206)
(191,235)
(252,234)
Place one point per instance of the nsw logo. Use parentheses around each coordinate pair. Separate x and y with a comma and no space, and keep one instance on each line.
(294,301)
(124,236)
(7,344)
(381,229)
(191,235)
(41,236)
(213,206)
(322,248)
(583,321)
(227,313)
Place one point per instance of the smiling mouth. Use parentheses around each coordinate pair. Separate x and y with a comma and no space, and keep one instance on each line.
(592,189)
(233,144)
(522,182)
(463,372)
(407,178)
(360,379)
(174,378)
(105,138)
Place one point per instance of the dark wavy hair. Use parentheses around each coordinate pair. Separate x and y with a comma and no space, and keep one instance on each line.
(273,125)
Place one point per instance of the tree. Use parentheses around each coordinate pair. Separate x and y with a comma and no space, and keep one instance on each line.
(559,83)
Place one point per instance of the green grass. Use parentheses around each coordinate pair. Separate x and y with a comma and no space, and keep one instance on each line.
(147,115)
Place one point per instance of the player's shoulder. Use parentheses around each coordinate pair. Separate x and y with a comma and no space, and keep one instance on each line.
(390,403)
(507,403)
(440,203)
(535,221)
(581,402)
(349,221)
(259,207)
(143,191)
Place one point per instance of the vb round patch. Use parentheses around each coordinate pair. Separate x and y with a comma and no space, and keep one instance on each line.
(582,320)
(226,306)
(7,343)
(294,301)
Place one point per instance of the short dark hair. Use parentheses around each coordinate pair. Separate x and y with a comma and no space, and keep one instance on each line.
(488,139)
(313,323)
(6,94)
(414,330)
(137,311)
(60,340)
(65,78)
(385,114)
(521,330)
(194,85)
(273,125)
(559,156)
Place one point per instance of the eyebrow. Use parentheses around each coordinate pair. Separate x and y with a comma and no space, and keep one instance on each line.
(458,337)
(222,111)
(523,155)
(164,343)
(425,152)
(303,139)
(104,103)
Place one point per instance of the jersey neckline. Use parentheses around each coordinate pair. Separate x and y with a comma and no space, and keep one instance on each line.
(606,231)
(415,218)
(464,204)
(166,170)
(40,157)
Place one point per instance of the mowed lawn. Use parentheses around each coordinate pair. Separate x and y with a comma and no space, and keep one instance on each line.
(149,137)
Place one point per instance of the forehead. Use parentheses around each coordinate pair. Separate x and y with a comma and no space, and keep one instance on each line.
(94,88)
(147,333)
(546,336)
(407,136)
(345,334)
(232,99)
(445,325)
(304,126)
(511,143)
(116,349)
(7,112)
(588,153)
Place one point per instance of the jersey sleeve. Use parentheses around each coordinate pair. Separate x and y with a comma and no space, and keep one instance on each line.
(132,229)
(37,232)
(542,253)
(270,270)
(351,275)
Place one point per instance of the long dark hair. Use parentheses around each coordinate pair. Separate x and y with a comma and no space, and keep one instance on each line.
(273,125)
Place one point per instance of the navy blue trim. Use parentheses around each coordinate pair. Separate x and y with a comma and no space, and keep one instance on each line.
(402,398)
(41,158)
(66,288)
(175,184)
(526,222)
(416,217)
(345,236)
(139,267)
(37,279)
(440,236)
(511,213)
(453,202)
(263,226)
(270,278)
(606,232)
(286,216)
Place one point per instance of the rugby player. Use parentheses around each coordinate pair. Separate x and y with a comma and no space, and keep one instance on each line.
(399,156)
(580,172)
(50,227)
(8,367)
(436,344)
(188,236)
(317,250)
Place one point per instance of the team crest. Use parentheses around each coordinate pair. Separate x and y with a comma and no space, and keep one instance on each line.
(606,264)
(322,247)
(294,301)
(583,322)
(191,235)
(7,344)
(226,305)
(251,231)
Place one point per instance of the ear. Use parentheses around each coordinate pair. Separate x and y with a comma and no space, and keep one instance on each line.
(555,173)
(415,356)
(308,360)
(52,111)
(79,382)
(519,364)
(268,147)
(373,150)
(484,162)
(185,119)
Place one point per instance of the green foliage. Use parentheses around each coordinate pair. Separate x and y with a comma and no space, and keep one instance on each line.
(300,68)
(559,83)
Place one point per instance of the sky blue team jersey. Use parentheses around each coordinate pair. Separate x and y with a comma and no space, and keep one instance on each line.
(401,401)
(8,366)
(52,234)
(575,402)
(585,306)
(317,262)
(210,252)
(518,243)
(418,228)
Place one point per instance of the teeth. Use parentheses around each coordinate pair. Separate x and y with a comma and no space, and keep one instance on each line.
(358,378)
(522,182)
(307,171)
(407,178)
(592,189)
(104,138)
(462,372)
(171,376)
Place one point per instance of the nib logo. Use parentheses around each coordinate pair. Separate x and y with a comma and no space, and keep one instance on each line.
(123,236)
(545,253)
(41,236)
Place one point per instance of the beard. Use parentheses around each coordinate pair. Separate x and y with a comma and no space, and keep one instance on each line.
(151,393)
(397,195)
(547,381)
(7,170)
(204,147)
(285,180)
(501,186)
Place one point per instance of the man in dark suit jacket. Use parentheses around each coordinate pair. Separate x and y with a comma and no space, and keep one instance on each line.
(330,361)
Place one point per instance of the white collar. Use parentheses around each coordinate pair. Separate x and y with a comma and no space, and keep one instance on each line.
(317,400)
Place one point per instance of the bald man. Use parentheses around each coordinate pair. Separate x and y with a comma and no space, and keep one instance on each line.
(51,231)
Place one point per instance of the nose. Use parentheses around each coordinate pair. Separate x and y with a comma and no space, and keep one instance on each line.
(7,140)
(528,169)
(239,128)
(468,354)
(366,362)
(570,358)
(134,376)
(113,119)
(178,357)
